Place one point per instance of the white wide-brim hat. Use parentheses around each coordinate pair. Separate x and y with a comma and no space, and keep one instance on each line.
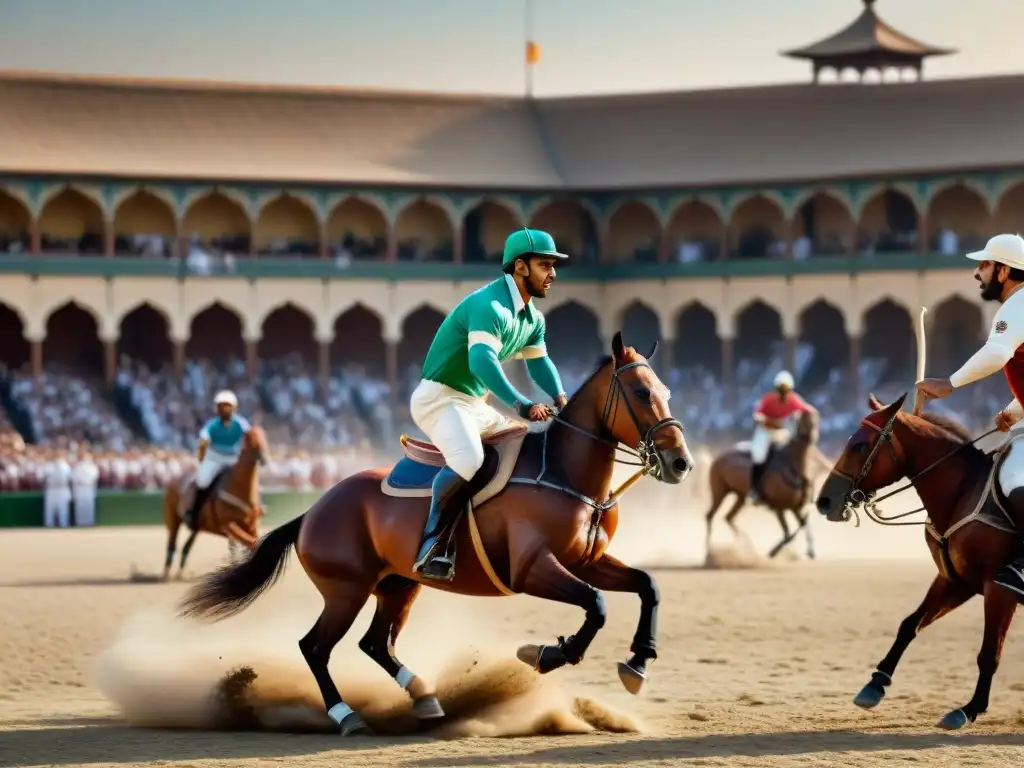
(1003,249)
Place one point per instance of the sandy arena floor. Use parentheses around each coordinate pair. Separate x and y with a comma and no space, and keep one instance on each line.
(758,665)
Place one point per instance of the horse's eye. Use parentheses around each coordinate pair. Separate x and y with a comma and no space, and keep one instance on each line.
(643,394)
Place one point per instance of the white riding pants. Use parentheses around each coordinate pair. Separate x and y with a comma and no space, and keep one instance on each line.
(762,441)
(1011,474)
(455,422)
(85,504)
(210,466)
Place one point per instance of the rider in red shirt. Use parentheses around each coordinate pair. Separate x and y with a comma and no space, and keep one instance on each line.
(769,418)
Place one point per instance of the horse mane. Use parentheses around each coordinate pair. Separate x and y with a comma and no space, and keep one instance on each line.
(601,363)
(951,428)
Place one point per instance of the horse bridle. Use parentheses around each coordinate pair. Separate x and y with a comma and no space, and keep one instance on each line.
(856,498)
(646,449)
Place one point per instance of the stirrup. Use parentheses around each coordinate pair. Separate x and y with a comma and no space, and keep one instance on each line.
(436,563)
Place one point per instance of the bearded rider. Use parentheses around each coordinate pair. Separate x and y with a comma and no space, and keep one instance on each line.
(1001,275)
(769,420)
(463,364)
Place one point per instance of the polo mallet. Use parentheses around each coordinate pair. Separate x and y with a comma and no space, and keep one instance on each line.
(920,398)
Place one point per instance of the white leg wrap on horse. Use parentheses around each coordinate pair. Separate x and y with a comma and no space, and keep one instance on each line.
(339,712)
(403,677)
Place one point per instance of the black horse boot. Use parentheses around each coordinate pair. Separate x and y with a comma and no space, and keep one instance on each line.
(756,473)
(432,562)
(192,513)
(1011,575)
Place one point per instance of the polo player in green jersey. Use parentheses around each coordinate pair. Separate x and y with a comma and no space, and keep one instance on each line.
(463,364)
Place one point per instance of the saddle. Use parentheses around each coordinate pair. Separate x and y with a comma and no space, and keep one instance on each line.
(413,475)
(187,489)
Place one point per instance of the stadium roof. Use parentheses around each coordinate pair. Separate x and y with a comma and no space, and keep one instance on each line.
(79,126)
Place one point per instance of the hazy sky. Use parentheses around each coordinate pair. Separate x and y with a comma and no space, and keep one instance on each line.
(477,45)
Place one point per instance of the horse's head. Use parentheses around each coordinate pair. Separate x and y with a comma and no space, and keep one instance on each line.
(255,444)
(635,411)
(871,460)
(807,426)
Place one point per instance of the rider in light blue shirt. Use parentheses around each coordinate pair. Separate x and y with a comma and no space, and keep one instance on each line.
(220,442)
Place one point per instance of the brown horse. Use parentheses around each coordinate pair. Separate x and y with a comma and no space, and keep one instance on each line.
(543,534)
(233,511)
(784,487)
(969,536)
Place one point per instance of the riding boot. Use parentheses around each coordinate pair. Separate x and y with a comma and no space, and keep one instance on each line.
(192,515)
(432,561)
(754,494)
(1011,576)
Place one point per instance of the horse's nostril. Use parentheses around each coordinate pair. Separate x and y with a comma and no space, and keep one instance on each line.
(823,505)
(680,465)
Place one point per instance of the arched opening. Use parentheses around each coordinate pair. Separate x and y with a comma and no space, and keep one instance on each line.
(16,352)
(888,346)
(15,225)
(958,220)
(823,352)
(888,223)
(758,348)
(289,336)
(418,331)
(695,233)
(758,229)
(216,335)
(484,231)
(359,341)
(1009,212)
(144,226)
(219,224)
(641,327)
(823,226)
(573,335)
(287,227)
(634,234)
(573,228)
(145,336)
(357,229)
(70,222)
(957,331)
(72,342)
(698,348)
(424,233)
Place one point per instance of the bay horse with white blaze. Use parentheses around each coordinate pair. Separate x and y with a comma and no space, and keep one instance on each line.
(968,533)
(542,515)
(233,510)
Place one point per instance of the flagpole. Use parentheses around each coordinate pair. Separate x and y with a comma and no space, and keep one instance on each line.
(526,48)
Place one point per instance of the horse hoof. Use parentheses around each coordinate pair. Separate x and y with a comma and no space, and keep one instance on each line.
(870,696)
(427,708)
(542,658)
(631,680)
(954,721)
(354,725)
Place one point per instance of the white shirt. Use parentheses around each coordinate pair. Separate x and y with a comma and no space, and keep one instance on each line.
(1005,336)
(86,475)
(58,476)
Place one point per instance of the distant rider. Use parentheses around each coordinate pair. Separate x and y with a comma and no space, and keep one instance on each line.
(220,442)
(769,426)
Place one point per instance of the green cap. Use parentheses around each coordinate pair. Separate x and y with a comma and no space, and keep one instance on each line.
(529,242)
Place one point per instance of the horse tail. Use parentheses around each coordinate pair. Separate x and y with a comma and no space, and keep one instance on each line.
(232,588)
